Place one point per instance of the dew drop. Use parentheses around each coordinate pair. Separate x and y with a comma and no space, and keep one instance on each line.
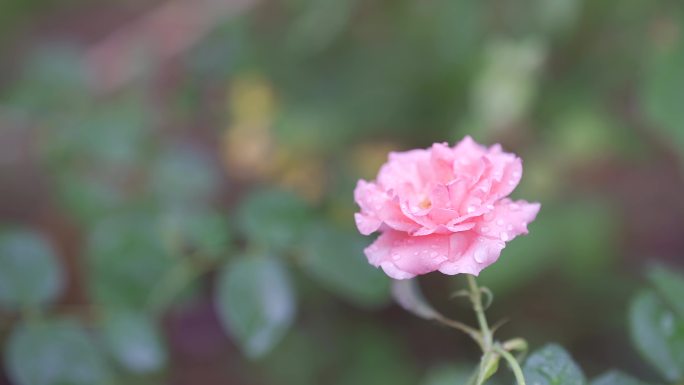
(500,222)
(512,182)
(470,209)
(490,207)
(504,236)
(516,174)
(509,227)
(480,255)
(396,256)
(514,207)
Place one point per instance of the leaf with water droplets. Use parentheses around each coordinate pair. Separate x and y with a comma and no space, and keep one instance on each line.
(552,365)
(408,295)
(658,334)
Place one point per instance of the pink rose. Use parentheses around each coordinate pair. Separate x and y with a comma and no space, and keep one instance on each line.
(443,208)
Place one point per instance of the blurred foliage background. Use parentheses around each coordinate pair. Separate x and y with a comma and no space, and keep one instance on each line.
(176,181)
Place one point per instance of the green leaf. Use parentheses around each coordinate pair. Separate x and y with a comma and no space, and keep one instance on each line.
(552,365)
(335,259)
(615,377)
(29,271)
(670,286)
(658,335)
(52,80)
(663,91)
(408,295)
(200,231)
(256,303)
(54,352)
(127,259)
(275,218)
(135,341)
(182,175)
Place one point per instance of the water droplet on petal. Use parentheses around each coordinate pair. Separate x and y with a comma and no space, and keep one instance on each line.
(514,206)
(512,182)
(396,256)
(490,207)
(504,236)
(516,174)
(470,209)
(500,222)
(480,255)
(509,227)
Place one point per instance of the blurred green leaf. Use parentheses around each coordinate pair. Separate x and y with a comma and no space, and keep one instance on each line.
(274,218)
(663,90)
(183,175)
(507,83)
(54,352)
(552,365)
(124,253)
(52,80)
(335,259)
(670,286)
(614,377)
(134,340)
(114,135)
(408,295)
(88,198)
(200,231)
(256,303)
(30,274)
(316,24)
(658,334)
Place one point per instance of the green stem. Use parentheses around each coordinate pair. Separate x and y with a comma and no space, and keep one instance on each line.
(476,299)
(474,334)
(513,363)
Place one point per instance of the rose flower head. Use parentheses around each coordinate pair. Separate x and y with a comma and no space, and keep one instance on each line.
(442,208)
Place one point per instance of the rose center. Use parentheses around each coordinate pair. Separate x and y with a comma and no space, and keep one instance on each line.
(425,203)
